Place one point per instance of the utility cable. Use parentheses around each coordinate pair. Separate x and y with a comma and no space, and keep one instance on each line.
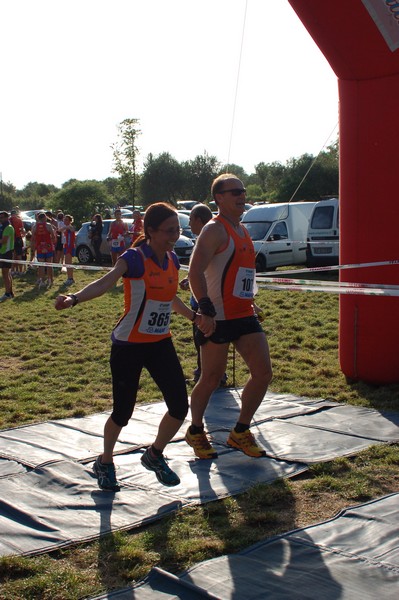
(237,84)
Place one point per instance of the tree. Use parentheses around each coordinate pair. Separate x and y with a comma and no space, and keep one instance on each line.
(7,195)
(302,178)
(162,179)
(114,191)
(36,195)
(33,189)
(255,193)
(82,199)
(236,170)
(270,177)
(199,174)
(125,154)
(308,178)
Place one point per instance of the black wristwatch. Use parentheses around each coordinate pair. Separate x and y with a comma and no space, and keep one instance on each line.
(74,299)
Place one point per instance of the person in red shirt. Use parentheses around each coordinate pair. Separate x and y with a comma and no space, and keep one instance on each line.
(136,228)
(43,243)
(116,236)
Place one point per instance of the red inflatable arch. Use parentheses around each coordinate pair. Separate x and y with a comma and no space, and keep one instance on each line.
(360,40)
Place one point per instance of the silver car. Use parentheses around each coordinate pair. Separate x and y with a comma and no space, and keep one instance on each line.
(85,251)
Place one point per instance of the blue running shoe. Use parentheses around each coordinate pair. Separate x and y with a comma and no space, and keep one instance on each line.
(158,464)
(105,474)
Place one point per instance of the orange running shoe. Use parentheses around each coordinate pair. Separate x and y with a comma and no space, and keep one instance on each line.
(246,442)
(200,444)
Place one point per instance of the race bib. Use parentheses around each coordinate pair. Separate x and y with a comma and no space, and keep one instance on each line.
(244,283)
(115,243)
(156,318)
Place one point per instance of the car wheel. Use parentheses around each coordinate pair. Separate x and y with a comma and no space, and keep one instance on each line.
(260,263)
(84,255)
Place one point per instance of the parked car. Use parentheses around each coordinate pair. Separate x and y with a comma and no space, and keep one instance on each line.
(85,251)
(186,204)
(126,213)
(32,213)
(27,221)
(132,208)
(279,233)
(184,220)
(323,234)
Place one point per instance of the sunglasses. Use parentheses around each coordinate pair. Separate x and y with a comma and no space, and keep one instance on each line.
(234,192)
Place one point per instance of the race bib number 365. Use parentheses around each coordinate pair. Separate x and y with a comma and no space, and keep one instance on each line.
(156,318)
(244,283)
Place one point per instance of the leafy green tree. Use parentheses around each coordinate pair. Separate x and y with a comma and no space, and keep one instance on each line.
(125,155)
(270,177)
(115,192)
(199,174)
(308,178)
(33,189)
(35,195)
(82,199)
(255,193)
(236,170)
(162,179)
(302,178)
(7,195)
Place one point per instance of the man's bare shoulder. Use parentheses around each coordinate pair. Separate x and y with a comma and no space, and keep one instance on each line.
(213,231)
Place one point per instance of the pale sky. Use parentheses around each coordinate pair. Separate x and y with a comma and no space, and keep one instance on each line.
(72,70)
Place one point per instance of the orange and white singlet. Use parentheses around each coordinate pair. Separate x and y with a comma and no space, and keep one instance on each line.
(148,301)
(230,276)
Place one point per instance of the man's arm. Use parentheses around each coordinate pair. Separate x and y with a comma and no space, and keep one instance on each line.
(211,238)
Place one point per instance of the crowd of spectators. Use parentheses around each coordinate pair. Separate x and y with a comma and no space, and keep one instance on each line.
(52,241)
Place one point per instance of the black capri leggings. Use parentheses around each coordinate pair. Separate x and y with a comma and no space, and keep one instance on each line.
(161,361)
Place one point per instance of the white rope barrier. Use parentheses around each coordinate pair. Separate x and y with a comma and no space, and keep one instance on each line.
(267,282)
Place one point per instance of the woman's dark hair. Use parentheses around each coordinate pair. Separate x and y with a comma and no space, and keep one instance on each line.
(154,216)
(98,218)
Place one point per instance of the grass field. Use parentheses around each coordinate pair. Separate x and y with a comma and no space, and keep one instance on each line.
(55,365)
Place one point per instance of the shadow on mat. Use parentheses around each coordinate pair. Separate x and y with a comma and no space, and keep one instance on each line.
(108,568)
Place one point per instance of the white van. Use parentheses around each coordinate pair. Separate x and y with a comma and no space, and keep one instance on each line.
(323,234)
(279,232)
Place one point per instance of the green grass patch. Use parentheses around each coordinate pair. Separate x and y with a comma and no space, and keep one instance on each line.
(56,365)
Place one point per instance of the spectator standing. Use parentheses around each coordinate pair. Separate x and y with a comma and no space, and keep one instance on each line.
(43,244)
(222,276)
(141,338)
(95,234)
(116,236)
(19,233)
(26,253)
(59,247)
(68,240)
(6,254)
(136,228)
(51,219)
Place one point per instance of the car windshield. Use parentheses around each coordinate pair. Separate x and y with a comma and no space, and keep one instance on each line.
(184,220)
(257,230)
